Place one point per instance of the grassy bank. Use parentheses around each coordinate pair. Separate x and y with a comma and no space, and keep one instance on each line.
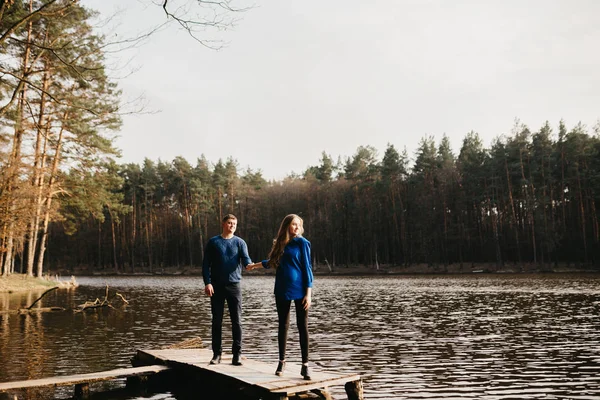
(19,283)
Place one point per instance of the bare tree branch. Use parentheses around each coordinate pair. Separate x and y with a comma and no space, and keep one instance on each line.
(69,64)
(43,294)
(218,21)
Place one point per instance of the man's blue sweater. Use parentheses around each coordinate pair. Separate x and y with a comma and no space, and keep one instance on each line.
(223,260)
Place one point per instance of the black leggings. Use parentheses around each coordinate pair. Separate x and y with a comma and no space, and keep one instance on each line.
(283,312)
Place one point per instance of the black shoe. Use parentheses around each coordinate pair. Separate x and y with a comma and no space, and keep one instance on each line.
(237,359)
(280,368)
(216,359)
(305,373)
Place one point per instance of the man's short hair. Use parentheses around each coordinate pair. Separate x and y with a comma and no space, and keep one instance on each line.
(228,217)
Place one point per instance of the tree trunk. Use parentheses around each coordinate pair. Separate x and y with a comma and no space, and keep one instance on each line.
(496,235)
(148,229)
(99,262)
(582,218)
(14,161)
(188,224)
(49,196)
(530,206)
(114,241)
(8,255)
(514,214)
(38,174)
(133,228)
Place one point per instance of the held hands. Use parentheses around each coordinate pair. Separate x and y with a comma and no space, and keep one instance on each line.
(208,290)
(250,267)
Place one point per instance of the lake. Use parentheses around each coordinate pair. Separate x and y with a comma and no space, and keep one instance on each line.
(411,337)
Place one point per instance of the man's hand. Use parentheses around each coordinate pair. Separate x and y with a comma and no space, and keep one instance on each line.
(208,290)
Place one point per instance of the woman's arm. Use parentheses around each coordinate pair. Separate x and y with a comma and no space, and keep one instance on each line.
(264,264)
(306,264)
(307,299)
(307,274)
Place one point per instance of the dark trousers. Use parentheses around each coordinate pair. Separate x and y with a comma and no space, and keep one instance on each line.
(232,293)
(283,313)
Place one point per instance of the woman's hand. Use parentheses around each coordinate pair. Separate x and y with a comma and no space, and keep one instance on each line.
(306,301)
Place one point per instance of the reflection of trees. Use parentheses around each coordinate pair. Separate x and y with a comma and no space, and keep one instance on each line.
(4,331)
(33,339)
(26,333)
(4,301)
(34,348)
(35,345)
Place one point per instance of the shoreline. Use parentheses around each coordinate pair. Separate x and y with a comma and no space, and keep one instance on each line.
(15,283)
(356,270)
(22,283)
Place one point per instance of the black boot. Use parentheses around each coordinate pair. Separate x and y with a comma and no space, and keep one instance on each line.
(237,359)
(216,359)
(305,372)
(280,368)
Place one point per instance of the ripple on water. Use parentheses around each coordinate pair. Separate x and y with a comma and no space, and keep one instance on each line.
(437,337)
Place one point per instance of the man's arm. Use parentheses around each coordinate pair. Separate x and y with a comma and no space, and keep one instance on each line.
(244,256)
(206,263)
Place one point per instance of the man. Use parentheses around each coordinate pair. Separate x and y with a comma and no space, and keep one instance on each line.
(224,256)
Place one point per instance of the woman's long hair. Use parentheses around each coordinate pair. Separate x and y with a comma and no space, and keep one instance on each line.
(282,239)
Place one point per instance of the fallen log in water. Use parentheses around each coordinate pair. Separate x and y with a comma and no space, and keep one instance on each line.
(40,310)
(88,305)
(30,309)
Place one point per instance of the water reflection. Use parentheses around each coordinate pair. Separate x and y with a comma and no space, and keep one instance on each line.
(478,337)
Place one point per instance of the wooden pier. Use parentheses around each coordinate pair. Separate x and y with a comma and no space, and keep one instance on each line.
(189,369)
(82,381)
(252,380)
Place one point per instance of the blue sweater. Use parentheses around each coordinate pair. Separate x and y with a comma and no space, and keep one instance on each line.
(294,273)
(223,260)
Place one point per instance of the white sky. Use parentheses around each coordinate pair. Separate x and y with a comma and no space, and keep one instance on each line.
(301,77)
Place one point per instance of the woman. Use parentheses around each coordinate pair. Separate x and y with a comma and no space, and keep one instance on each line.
(291,257)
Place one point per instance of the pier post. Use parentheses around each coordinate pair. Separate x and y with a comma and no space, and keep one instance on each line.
(322,393)
(354,390)
(82,391)
(138,383)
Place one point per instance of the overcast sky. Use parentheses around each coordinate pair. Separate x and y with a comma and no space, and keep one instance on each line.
(301,77)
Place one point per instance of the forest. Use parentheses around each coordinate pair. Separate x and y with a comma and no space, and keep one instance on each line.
(528,199)
(66,202)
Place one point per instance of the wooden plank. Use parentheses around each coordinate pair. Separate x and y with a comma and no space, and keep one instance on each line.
(304,386)
(83,378)
(253,373)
